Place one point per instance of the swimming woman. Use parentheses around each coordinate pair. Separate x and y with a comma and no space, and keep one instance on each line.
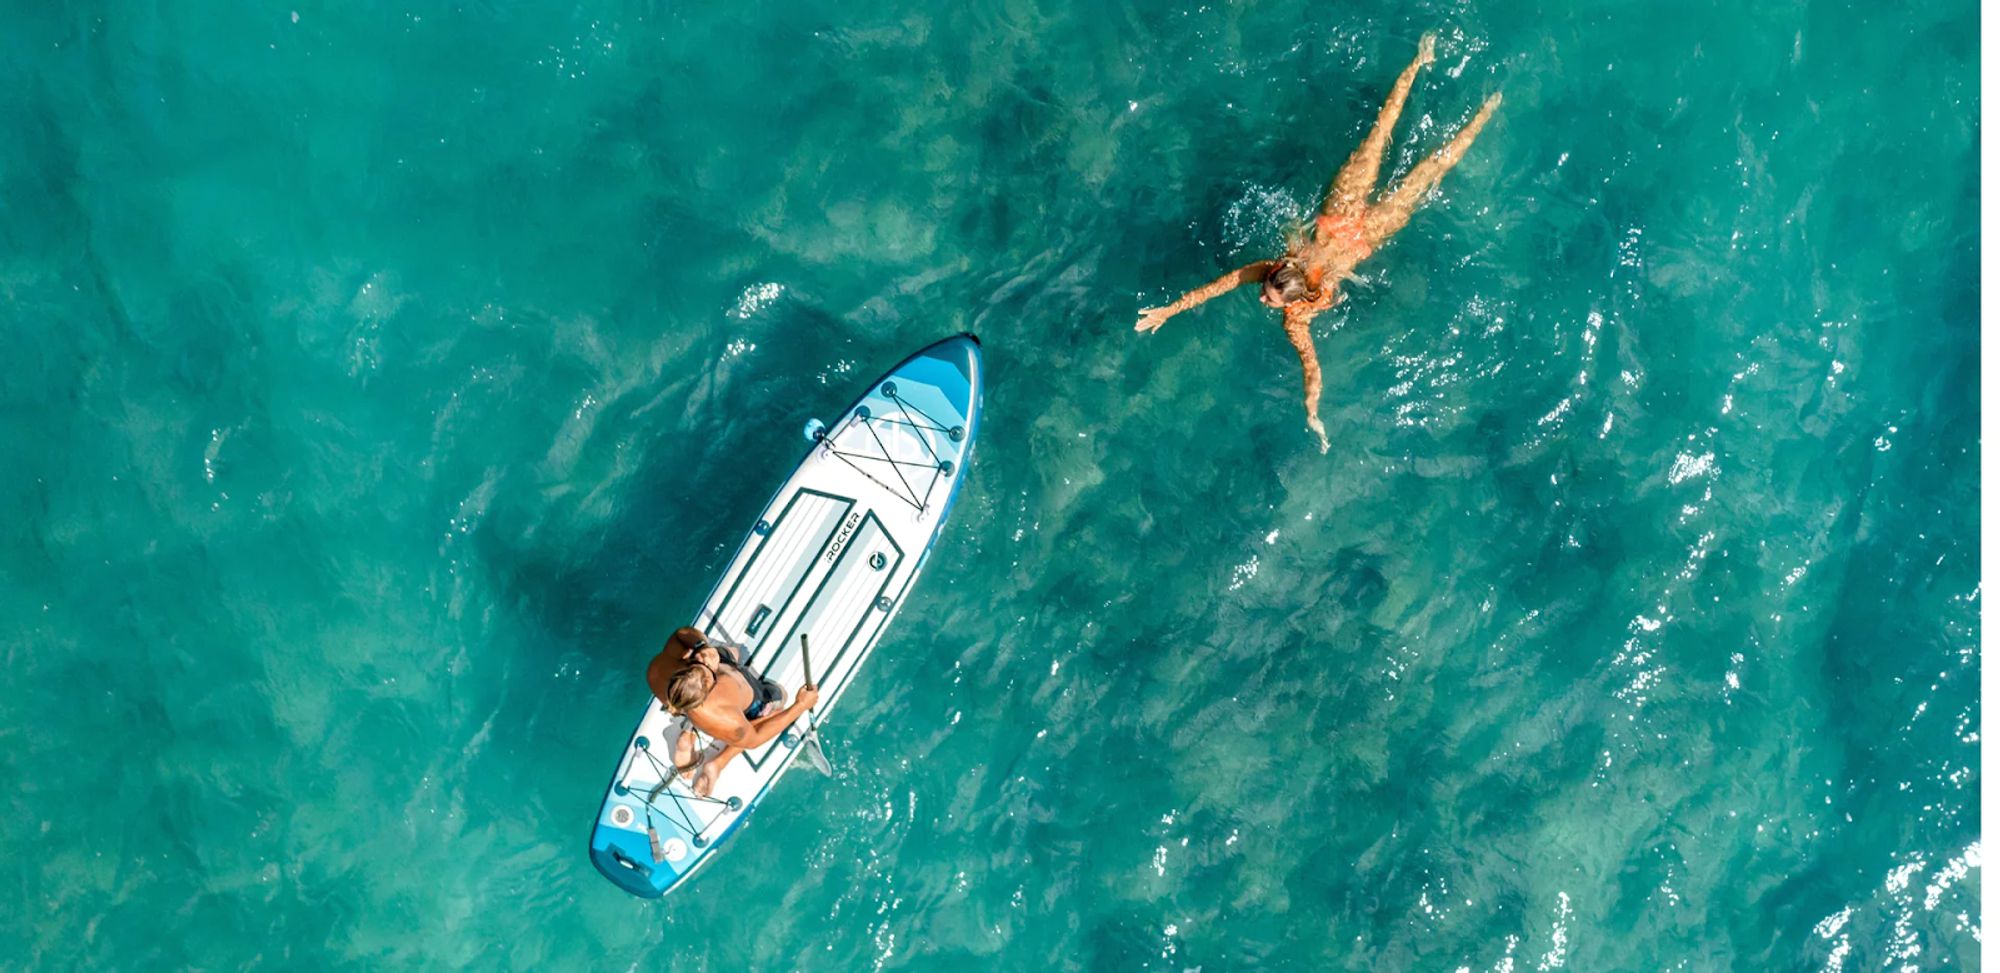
(1306,280)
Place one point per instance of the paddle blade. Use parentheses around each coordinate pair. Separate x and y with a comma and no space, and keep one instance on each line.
(817,756)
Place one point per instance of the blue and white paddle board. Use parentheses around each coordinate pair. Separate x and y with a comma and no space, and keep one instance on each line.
(833,557)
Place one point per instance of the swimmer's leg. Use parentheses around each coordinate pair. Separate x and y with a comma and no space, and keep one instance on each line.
(1348,196)
(1298,328)
(1388,216)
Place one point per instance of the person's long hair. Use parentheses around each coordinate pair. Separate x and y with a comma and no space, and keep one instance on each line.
(687,688)
(1295,278)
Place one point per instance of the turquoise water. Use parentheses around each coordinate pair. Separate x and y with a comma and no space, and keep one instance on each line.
(386,381)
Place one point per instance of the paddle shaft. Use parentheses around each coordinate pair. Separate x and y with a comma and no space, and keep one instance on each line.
(811,738)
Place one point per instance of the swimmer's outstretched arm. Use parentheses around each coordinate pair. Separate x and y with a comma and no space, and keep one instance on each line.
(1151,318)
(1298,327)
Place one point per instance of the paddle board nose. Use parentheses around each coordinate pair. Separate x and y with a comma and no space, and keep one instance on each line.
(960,354)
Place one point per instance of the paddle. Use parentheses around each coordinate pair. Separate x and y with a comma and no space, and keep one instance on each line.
(814,753)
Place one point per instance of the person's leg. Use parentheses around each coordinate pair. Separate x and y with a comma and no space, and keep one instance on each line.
(1298,328)
(687,751)
(1348,196)
(1388,216)
(711,771)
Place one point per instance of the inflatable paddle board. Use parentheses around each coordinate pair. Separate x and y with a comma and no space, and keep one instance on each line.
(831,558)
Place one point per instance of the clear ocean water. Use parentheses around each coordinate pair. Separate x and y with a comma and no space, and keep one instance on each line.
(385,381)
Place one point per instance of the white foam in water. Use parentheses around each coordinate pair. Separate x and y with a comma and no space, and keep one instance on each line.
(1261,217)
(755,298)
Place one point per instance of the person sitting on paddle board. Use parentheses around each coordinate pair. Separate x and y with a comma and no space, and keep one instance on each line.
(706,683)
(1306,280)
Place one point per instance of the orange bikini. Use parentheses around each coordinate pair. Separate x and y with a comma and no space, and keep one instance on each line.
(1344,230)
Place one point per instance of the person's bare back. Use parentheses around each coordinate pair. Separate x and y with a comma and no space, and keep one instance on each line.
(1348,230)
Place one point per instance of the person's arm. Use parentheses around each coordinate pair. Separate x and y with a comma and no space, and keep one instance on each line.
(1152,318)
(1298,327)
(747,734)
